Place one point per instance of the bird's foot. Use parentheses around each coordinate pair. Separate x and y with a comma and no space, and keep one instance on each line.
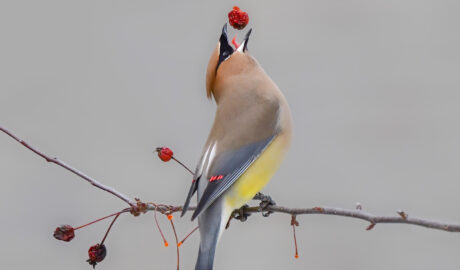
(241,214)
(265,202)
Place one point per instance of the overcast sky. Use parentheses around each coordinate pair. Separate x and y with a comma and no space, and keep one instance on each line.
(374,88)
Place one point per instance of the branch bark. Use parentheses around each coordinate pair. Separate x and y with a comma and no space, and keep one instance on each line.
(137,206)
(58,162)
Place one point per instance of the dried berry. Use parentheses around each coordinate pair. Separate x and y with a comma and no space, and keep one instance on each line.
(96,254)
(64,233)
(164,153)
(238,18)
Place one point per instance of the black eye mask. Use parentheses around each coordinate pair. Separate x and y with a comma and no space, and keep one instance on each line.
(225,49)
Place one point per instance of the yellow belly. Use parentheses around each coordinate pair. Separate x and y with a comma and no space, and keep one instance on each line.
(257,175)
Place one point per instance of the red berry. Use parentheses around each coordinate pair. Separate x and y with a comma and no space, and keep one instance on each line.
(237,18)
(96,254)
(64,233)
(164,153)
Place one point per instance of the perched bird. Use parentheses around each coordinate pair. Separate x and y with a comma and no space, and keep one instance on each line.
(248,140)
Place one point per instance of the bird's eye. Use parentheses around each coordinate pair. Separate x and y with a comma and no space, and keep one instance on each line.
(226,54)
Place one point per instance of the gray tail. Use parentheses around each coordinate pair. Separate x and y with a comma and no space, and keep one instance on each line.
(205,259)
(210,223)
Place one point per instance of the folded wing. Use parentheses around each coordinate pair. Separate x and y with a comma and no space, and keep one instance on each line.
(226,169)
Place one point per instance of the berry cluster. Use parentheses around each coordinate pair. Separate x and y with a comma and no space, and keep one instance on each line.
(238,18)
(97,252)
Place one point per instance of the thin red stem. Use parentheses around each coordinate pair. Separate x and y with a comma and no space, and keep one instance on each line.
(183,165)
(158,226)
(185,238)
(295,242)
(177,241)
(110,227)
(99,219)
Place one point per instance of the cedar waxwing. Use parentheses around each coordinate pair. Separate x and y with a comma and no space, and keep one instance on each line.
(248,140)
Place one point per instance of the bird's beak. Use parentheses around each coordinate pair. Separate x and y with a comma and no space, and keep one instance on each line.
(225,48)
(244,45)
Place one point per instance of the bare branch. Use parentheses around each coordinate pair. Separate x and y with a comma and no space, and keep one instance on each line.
(56,161)
(358,214)
(138,207)
(373,219)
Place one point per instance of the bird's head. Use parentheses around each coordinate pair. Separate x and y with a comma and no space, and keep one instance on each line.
(227,62)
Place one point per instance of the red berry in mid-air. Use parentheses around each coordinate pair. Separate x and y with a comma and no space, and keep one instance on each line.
(238,18)
(165,154)
(64,233)
(96,254)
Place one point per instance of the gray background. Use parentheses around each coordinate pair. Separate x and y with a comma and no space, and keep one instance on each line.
(374,91)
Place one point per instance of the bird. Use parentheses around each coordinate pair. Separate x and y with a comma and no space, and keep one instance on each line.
(250,136)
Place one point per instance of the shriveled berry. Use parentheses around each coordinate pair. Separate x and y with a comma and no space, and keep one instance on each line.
(165,154)
(238,18)
(96,254)
(64,233)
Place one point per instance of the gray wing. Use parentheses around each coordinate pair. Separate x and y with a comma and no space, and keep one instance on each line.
(191,191)
(226,169)
(197,177)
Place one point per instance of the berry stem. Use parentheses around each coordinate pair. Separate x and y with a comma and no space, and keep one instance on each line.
(185,238)
(110,227)
(177,241)
(294,224)
(183,165)
(99,219)
(295,243)
(158,226)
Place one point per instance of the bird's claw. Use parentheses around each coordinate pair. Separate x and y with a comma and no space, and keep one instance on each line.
(265,201)
(241,213)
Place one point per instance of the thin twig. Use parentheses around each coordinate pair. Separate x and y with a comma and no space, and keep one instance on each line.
(359,214)
(56,161)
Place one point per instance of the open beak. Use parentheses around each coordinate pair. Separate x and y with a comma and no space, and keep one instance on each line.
(244,46)
(225,48)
